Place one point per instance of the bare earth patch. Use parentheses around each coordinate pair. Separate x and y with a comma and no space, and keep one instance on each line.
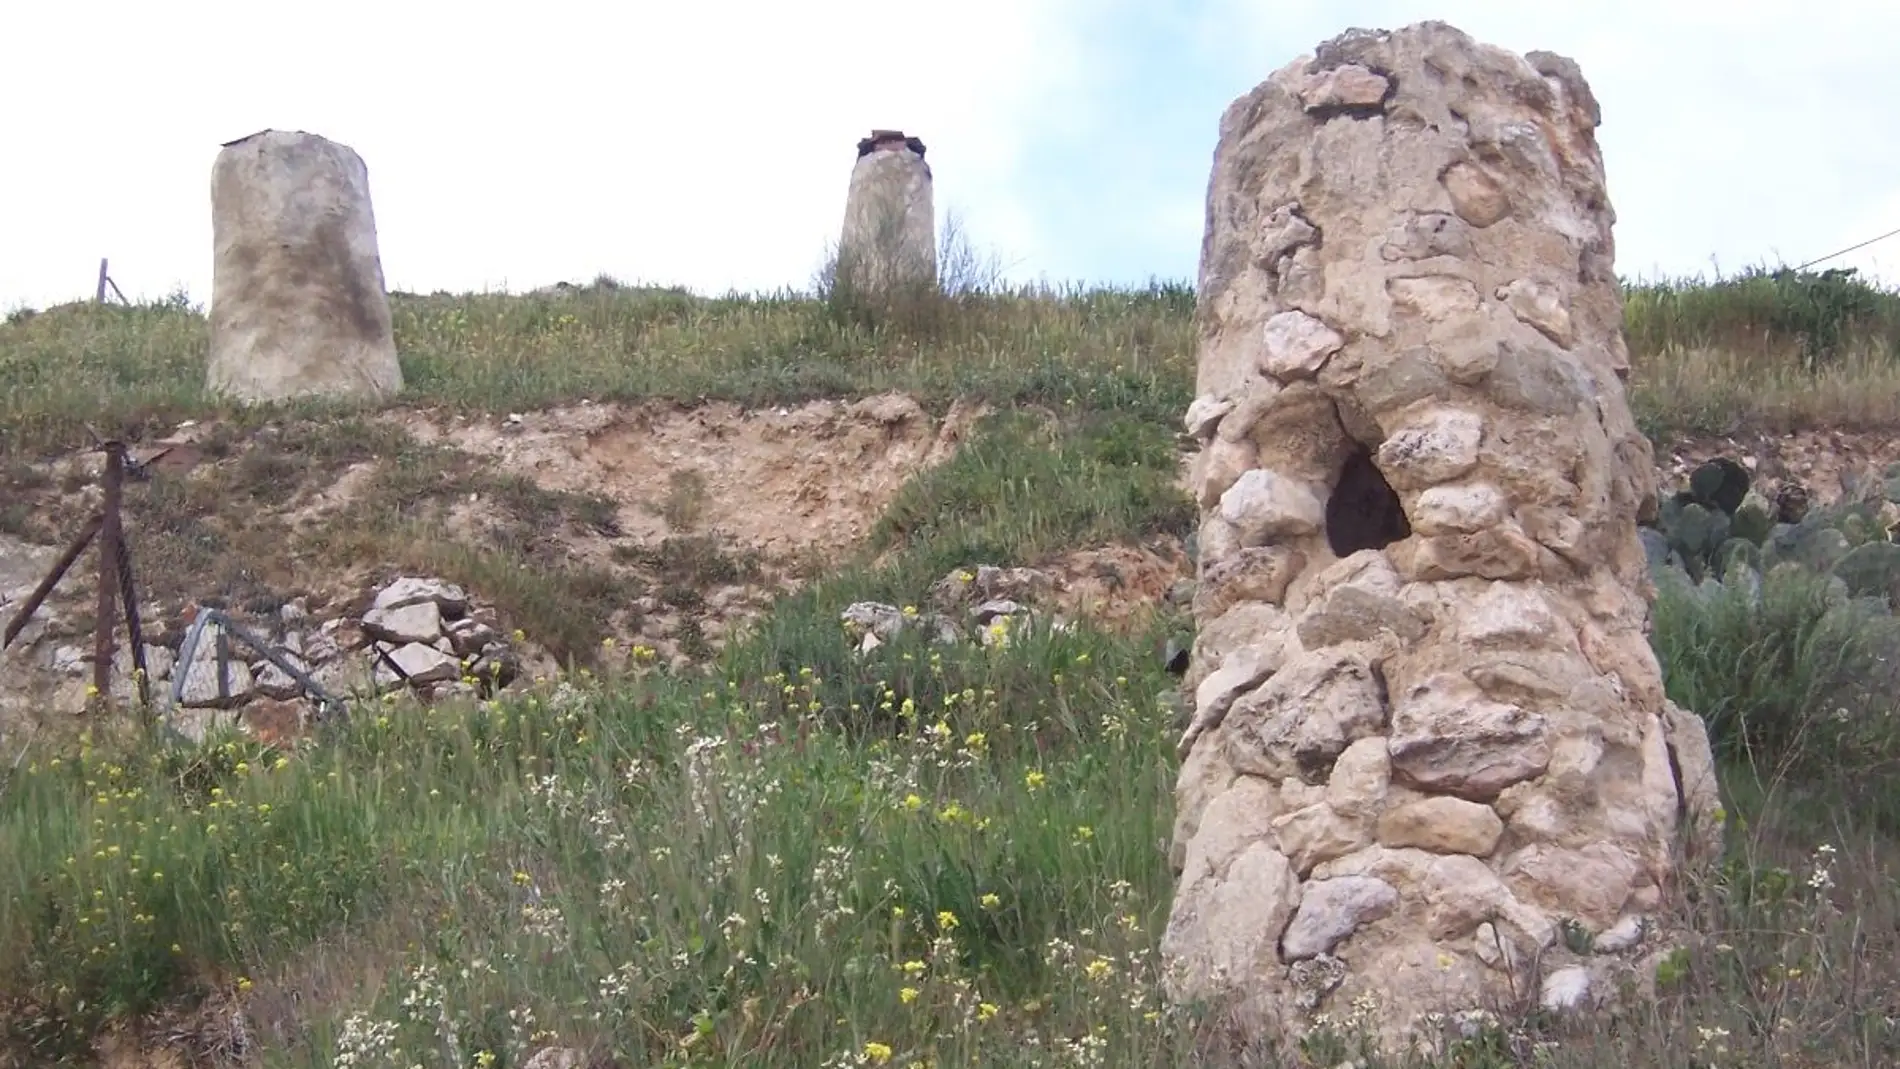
(778,481)
(1119,586)
(684,493)
(1817,459)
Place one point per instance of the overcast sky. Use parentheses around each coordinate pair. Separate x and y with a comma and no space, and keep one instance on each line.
(709,143)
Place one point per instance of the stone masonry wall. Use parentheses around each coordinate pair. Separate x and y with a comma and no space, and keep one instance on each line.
(1429,736)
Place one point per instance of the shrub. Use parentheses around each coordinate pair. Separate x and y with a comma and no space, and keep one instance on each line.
(1793,679)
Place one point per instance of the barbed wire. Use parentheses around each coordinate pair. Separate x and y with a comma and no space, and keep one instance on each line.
(1850,248)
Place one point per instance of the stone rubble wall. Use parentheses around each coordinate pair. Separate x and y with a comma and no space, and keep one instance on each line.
(445,644)
(1429,735)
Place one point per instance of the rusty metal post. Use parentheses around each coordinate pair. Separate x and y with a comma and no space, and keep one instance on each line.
(109,533)
(134,632)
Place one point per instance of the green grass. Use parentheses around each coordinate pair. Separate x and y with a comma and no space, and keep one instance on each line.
(1825,315)
(1794,682)
(700,796)
(130,370)
(951,853)
(788,861)
(633,866)
(1758,350)
(1768,350)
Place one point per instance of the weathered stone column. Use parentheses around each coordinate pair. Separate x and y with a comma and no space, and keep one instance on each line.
(298,307)
(1430,749)
(890,237)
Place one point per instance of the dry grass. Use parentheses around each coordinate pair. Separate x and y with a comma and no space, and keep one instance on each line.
(1726,391)
(742,869)
(1759,350)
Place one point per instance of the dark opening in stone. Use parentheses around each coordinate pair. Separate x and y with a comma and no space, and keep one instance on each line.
(1364,511)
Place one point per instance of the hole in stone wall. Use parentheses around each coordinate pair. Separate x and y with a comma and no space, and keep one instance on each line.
(1364,511)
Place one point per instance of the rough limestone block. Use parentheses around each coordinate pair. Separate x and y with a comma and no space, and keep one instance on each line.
(298,307)
(890,236)
(1427,729)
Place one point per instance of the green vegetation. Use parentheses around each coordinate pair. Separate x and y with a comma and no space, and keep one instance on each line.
(126,370)
(1764,349)
(1824,316)
(811,857)
(937,855)
(1770,350)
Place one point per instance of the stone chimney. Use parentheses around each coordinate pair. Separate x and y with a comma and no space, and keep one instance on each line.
(889,238)
(1430,739)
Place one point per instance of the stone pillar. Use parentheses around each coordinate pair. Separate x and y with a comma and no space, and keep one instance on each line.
(298,307)
(1430,751)
(890,237)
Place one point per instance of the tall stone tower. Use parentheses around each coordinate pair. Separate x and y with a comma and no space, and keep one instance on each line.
(889,239)
(1429,730)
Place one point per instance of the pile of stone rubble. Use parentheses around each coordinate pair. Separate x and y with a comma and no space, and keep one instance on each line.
(417,634)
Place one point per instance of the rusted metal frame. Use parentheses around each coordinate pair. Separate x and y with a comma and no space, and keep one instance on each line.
(188,649)
(134,630)
(58,572)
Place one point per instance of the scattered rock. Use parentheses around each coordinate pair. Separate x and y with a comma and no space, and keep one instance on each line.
(204,686)
(416,622)
(405,591)
(274,682)
(986,582)
(556,1058)
(470,637)
(880,622)
(1565,989)
(419,664)
(1621,936)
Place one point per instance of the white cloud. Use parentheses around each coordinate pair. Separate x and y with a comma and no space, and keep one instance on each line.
(708,143)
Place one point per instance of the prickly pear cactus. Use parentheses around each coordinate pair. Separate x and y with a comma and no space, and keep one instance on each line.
(1818,547)
(1737,553)
(1751,522)
(1871,570)
(1720,484)
(1697,532)
(1856,529)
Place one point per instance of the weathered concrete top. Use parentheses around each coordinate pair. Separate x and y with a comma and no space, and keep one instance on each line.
(889,141)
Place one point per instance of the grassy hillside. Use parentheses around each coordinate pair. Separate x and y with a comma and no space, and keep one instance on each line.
(924,856)
(1764,349)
